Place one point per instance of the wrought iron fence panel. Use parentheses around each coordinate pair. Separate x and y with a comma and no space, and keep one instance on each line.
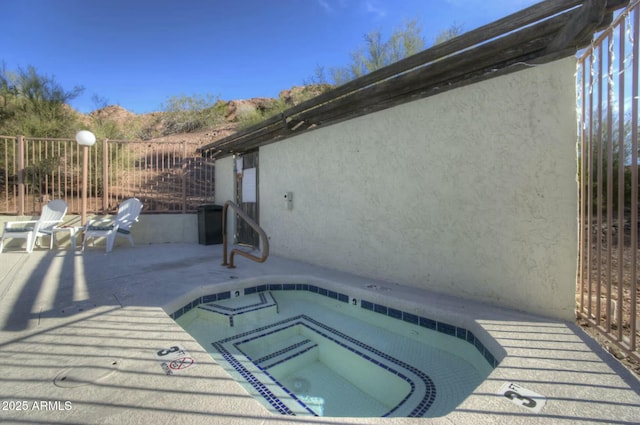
(168,177)
(607,85)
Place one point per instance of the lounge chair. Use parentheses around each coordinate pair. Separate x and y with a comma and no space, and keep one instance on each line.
(52,215)
(128,214)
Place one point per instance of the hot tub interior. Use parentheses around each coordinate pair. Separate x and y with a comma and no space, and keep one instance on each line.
(301,349)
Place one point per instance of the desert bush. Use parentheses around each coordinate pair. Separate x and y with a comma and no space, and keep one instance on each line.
(107,129)
(287,99)
(185,114)
(249,119)
(34,105)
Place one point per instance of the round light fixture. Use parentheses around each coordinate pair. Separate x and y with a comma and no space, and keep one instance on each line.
(85,138)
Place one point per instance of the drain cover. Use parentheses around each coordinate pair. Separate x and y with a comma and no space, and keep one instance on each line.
(300,385)
(78,376)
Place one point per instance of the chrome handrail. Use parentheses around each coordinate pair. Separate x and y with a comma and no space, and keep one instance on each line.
(251,222)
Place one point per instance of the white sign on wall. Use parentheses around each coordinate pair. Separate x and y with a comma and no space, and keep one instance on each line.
(239,165)
(249,185)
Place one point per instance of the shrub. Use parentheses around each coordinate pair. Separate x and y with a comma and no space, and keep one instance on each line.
(184,114)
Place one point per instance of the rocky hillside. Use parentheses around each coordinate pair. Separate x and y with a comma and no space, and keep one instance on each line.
(221,120)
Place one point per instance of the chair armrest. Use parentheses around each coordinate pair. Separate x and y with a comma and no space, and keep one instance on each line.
(51,221)
(8,224)
(96,222)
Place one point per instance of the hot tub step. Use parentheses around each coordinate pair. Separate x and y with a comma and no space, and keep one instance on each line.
(233,311)
(287,353)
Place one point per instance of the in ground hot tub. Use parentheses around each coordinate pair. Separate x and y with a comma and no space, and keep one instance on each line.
(315,348)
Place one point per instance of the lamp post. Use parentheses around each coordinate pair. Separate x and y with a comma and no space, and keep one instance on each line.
(85,138)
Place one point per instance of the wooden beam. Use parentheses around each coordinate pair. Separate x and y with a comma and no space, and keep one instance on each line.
(393,93)
(480,35)
(613,5)
(548,30)
(330,119)
(589,17)
(487,56)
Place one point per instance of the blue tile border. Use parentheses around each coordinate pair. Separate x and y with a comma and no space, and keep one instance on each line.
(442,327)
(222,309)
(357,347)
(438,326)
(265,300)
(411,318)
(262,389)
(366,305)
(428,323)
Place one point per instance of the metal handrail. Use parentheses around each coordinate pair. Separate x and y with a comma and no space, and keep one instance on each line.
(251,222)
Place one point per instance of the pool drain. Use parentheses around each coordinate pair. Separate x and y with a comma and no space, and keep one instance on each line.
(78,376)
(300,385)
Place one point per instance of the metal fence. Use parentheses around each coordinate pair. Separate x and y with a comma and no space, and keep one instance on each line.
(168,177)
(607,104)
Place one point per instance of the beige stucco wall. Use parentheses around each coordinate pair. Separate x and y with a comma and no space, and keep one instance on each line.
(470,192)
(225,189)
(166,228)
(151,229)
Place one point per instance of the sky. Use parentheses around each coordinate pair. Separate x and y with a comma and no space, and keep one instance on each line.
(140,53)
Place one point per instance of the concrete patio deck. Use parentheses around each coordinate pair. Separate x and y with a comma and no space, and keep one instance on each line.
(92,323)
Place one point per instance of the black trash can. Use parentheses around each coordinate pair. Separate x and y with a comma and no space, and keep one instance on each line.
(209,224)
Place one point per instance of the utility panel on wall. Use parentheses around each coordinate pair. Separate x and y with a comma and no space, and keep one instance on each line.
(288,200)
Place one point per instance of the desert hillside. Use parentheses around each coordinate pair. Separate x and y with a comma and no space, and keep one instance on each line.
(202,126)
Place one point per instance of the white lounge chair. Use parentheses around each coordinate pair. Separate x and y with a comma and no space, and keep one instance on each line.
(128,214)
(52,215)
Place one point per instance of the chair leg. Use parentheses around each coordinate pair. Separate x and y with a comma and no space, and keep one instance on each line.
(110,240)
(31,241)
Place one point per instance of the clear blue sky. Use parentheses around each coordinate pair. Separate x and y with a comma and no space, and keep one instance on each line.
(138,53)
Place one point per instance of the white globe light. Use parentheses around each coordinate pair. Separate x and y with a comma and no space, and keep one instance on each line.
(85,138)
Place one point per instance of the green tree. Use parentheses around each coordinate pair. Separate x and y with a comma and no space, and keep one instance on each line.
(405,42)
(99,102)
(447,34)
(34,104)
(377,53)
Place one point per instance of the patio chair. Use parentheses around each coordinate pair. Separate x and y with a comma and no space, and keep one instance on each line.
(128,214)
(52,215)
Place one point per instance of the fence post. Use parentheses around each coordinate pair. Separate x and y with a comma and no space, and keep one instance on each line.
(20,175)
(105,176)
(184,177)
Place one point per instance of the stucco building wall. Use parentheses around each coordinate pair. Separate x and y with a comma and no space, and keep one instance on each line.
(471,192)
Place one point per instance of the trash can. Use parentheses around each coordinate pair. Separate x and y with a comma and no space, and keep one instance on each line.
(209,224)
